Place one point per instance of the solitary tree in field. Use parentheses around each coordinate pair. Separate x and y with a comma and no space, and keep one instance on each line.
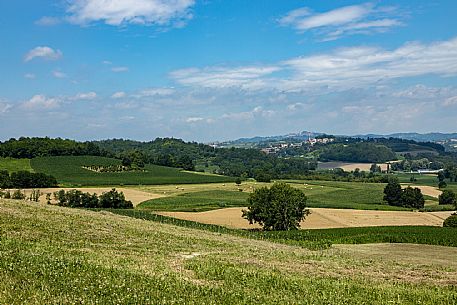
(392,192)
(280,207)
(412,198)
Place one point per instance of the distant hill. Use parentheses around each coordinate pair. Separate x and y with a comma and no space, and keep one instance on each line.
(419,137)
(303,135)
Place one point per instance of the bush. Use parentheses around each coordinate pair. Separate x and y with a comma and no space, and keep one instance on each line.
(447,197)
(25,179)
(451,221)
(114,199)
(442,184)
(18,194)
(280,207)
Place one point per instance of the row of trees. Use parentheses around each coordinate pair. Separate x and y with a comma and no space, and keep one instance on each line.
(357,152)
(77,199)
(408,197)
(25,179)
(43,147)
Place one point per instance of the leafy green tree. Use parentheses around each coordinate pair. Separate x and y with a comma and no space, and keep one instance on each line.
(448,197)
(442,184)
(280,207)
(441,176)
(412,198)
(114,199)
(238,181)
(392,192)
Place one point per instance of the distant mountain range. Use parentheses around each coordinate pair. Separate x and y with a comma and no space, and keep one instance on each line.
(304,135)
(419,137)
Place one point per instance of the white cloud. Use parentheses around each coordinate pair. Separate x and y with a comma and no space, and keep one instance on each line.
(224,77)
(121,12)
(41,102)
(257,112)
(338,70)
(85,96)
(4,106)
(155,92)
(451,101)
(48,21)
(43,52)
(194,119)
(364,18)
(119,94)
(59,74)
(29,76)
(119,69)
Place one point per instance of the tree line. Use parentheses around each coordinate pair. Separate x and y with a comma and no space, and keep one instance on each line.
(25,179)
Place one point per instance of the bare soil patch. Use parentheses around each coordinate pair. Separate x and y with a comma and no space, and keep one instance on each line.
(322,218)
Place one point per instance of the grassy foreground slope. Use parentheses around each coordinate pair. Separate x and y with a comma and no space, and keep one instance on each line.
(69,170)
(15,165)
(53,255)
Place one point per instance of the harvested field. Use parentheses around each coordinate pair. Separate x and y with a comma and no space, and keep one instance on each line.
(348,166)
(322,218)
(426,190)
(136,196)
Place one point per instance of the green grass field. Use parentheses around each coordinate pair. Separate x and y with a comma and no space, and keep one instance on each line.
(69,171)
(53,255)
(15,165)
(321,194)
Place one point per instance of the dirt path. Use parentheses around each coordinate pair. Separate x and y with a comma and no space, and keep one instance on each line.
(321,218)
(426,190)
(136,196)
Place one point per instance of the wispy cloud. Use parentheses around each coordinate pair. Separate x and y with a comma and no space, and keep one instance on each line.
(119,69)
(84,96)
(4,106)
(29,76)
(337,70)
(223,77)
(119,94)
(43,52)
(59,74)
(48,21)
(122,12)
(364,18)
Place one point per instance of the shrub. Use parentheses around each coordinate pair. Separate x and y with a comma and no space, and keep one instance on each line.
(442,184)
(280,207)
(451,221)
(447,197)
(18,194)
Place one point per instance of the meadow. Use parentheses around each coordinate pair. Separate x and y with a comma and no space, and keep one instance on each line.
(69,171)
(53,255)
(15,165)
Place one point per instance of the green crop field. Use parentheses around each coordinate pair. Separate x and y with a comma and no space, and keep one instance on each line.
(15,165)
(321,194)
(54,255)
(69,171)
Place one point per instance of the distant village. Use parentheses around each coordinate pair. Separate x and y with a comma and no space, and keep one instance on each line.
(274,148)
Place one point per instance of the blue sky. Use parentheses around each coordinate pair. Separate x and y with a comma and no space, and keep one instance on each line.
(217,69)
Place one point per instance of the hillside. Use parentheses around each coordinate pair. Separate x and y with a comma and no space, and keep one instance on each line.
(68,170)
(52,255)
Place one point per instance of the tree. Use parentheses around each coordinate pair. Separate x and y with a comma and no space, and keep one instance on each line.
(412,198)
(238,181)
(280,207)
(392,192)
(442,184)
(375,168)
(447,197)
(441,176)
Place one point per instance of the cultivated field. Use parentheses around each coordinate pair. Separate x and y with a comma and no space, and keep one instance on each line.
(322,218)
(15,165)
(69,171)
(53,255)
(321,194)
